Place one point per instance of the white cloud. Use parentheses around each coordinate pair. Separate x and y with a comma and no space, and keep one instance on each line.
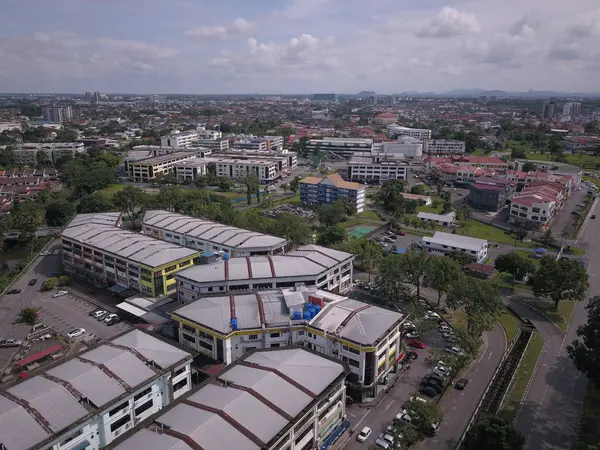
(239,27)
(565,52)
(585,25)
(449,22)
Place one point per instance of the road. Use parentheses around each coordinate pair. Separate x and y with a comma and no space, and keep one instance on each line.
(549,415)
(62,313)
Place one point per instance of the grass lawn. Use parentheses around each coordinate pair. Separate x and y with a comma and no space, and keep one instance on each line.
(457,319)
(581,160)
(228,194)
(560,317)
(354,221)
(510,324)
(504,279)
(484,231)
(430,209)
(368,214)
(596,181)
(524,372)
(577,251)
(530,256)
(589,432)
(111,190)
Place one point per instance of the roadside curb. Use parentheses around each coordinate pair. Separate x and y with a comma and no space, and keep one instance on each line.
(533,371)
(587,218)
(26,267)
(533,308)
(512,379)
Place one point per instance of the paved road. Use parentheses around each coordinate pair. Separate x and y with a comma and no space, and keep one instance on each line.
(550,412)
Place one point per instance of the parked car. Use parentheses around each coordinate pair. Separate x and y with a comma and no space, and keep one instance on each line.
(60,294)
(10,343)
(364,434)
(14,291)
(384,445)
(428,391)
(99,313)
(432,429)
(387,437)
(461,384)
(45,254)
(113,321)
(593,216)
(76,333)
(412,335)
(444,328)
(32,282)
(109,317)
(416,344)
(408,324)
(454,350)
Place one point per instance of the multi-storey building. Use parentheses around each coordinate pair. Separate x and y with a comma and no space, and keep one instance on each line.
(216,145)
(207,237)
(486,162)
(376,169)
(443,147)
(95,248)
(93,398)
(309,265)
(290,399)
(325,97)
(190,169)
(261,144)
(321,191)
(394,130)
(490,194)
(445,243)
(572,109)
(286,161)
(57,114)
(574,143)
(157,150)
(266,171)
(149,168)
(443,220)
(548,109)
(463,175)
(340,146)
(537,205)
(364,336)
(181,139)
(203,133)
(30,154)
(405,147)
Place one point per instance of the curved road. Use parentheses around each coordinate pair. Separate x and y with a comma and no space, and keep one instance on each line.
(550,413)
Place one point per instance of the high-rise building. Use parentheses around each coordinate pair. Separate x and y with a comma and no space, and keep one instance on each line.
(88,96)
(325,97)
(96,97)
(57,114)
(548,109)
(572,109)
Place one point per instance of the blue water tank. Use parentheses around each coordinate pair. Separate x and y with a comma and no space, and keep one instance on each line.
(297,315)
(307,315)
(225,256)
(317,309)
(234,324)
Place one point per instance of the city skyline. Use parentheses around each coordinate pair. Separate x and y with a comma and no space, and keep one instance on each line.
(298,46)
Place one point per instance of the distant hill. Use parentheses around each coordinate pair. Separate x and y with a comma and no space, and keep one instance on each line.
(366,94)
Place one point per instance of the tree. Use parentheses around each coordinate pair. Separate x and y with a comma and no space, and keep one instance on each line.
(464,213)
(547,238)
(293,228)
(528,167)
(414,267)
(460,257)
(330,215)
(494,433)
(225,184)
(331,236)
(515,264)
(294,184)
(63,280)
(129,200)
(561,280)
(440,274)
(94,203)
(480,301)
(29,316)
(368,253)
(59,212)
(27,217)
(446,207)
(424,414)
(252,186)
(418,189)
(390,283)
(585,351)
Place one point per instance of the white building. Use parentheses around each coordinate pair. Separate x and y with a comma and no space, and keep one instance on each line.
(364,336)
(309,265)
(57,114)
(394,130)
(288,399)
(572,109)
(207,236)
(178,138)
(157,150)
(443,220)
(445,243)
(407,147)
(90,400)
(216,145)
(443,147)
(7,126)
(190,169)
(203,133)
(148,169)
(265,171)
(376,169)
(260,144)
(29,154)
(340,146)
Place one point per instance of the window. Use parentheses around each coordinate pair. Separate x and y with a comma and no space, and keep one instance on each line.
(275,335)
(351,362)
(142,394)
(70,438)
(275,345)
(170,268)
(351,350)
(190,338)
(205,345)
(179,385)
(118,409)
(253,337)
(144,407)
(180,371)
(301,333)
(119,423)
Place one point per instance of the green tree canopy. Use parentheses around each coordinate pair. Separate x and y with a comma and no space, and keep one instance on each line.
(94,203)
(515,264)
(331,236)
(330,215)
(561,280)
(585,350)
(59,212)
(441,272)
(129,200)
(494,433)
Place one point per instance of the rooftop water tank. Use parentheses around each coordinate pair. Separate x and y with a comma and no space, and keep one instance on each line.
(234,324)
(297,315)
(226,256)
(307,315)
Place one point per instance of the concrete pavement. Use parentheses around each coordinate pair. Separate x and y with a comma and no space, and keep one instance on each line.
(550,413)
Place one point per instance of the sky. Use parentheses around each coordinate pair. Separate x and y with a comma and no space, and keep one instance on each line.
(298,46)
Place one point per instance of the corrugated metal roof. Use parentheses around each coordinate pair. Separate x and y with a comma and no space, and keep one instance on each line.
(122,363)
(161,353)
(54,402)
(18,429)
(88,379)
(456,240)
(242,407)
(151,440)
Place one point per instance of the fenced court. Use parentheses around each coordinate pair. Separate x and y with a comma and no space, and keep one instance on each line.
(360,231)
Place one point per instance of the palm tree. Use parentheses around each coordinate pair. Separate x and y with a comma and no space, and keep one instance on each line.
(3,231)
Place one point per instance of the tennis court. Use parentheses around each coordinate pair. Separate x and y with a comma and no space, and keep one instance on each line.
(360,231)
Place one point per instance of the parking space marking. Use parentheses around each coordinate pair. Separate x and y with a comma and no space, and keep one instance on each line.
(390,405)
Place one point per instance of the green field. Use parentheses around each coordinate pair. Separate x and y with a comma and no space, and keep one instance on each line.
(510,324)
(524,372)
(560,316)
(111,190)
(581,160)
(491,233)
(596,181)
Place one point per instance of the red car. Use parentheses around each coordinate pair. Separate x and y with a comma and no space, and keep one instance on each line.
(401,233)
(416,343)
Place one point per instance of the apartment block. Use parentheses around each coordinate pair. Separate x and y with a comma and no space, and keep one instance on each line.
(30,154)
(445,243)
(323,191)
(443,147)
(148,169)
(394,130)
(537,205)
(340,146)
(208,237)
(404,147)
(216,145)
(260,144)
(308,265)
(376,169)
(57,114)
(190,169)
(290,399)
(490,194)
(95,248)
(95,397)
(265,171)
(364,336)
(181,139)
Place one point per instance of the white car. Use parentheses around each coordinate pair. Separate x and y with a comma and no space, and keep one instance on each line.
(60,294)
(364,434)
(387,438)
(412,335)
(44,253)
(110,317)
(432,315)
(454,350)
(408,324)
(445,328)
(76,333)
